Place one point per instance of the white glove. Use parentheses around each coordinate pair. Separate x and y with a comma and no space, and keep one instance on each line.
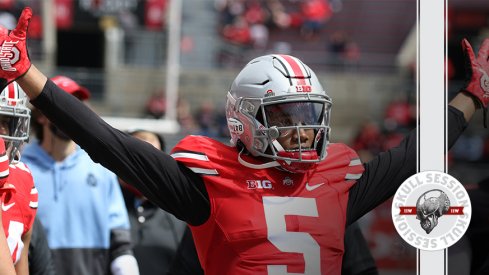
(124,265)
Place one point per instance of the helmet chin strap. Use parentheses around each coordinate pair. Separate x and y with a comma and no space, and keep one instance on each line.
(256,166)
(279,148)
(16,157)
(270,164)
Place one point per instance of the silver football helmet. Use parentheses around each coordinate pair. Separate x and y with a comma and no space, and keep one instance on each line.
(14,111)
(273,96)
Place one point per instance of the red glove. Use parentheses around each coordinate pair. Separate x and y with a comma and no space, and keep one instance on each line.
(14,58)
(477,70)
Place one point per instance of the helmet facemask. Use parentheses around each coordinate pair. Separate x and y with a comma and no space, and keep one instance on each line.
(291,118)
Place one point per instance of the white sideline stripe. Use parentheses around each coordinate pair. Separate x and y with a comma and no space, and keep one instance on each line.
(353,176)
(204,171)
(34,191)
(33,204)
(355,162)
(190,156)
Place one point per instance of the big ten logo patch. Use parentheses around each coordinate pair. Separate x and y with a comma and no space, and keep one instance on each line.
(259,184)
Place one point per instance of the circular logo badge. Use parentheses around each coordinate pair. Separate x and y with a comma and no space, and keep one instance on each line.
(431,210)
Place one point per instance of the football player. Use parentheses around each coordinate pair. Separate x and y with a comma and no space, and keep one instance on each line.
(278,200)
(18,196)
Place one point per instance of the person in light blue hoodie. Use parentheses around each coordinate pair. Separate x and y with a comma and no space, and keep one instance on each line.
(81,206)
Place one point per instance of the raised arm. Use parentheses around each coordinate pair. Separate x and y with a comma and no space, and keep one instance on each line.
(384,174)
(158,176)
(32,82)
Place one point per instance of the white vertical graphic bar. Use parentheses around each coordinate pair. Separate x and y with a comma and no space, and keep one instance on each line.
(432,106)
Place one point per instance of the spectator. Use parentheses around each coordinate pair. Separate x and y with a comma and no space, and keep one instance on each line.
(256,16)
(315,14)
(82,208)
(155,233)
(206,118)
(40,257)
(399,115)
(368,140)
(18,196)
(344,51)
(184,117)
(238,32)
(156,105)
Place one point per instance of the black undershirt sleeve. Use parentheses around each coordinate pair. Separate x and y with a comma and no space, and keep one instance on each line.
(384,174)
(165,182)
(120,243)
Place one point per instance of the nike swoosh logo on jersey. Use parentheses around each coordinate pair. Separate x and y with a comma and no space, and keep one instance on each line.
(7,207)
(312,187)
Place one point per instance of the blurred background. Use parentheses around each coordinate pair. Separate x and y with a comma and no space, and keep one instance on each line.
(166,65)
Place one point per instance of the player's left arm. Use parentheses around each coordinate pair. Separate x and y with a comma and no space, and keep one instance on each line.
(386,172)
(22,266)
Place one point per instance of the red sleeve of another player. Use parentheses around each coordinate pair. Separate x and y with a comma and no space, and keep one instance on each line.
(30,195)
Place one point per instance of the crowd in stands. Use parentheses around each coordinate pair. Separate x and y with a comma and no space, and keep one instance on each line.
(374,136)
(248,24)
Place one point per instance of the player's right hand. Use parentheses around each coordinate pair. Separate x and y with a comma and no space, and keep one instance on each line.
(14,58)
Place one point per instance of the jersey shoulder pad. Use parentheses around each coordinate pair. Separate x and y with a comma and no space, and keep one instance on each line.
(21,176)
(343,159)
(204,155)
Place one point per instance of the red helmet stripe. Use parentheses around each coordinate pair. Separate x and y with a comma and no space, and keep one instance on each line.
(296,68)
(12,94)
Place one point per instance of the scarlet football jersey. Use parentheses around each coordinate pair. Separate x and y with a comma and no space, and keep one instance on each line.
(18,207)
(268,221)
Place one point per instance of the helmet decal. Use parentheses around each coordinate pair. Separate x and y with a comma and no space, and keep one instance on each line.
(235,126)
(12,94)
(294,69)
